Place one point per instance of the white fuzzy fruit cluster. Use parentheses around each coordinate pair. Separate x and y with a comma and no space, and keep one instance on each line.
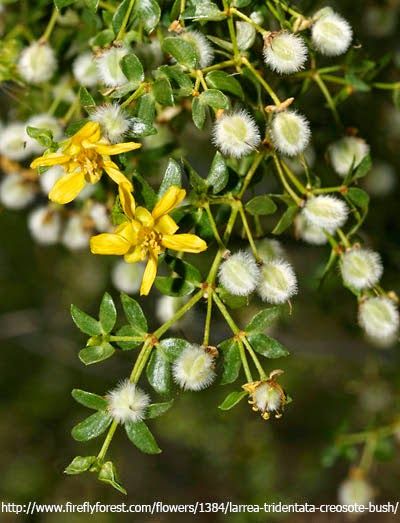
(331,34)
(113,120)
(285,52)
(109,68)
(37,63)
(194,368)
(347,154)
(361,268)
(325,212)
(205,53)
(379,317)
(290,132)
(236,134)
(127,402)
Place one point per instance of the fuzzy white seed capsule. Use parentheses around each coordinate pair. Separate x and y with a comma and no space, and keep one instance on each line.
(37,63)
(355,490)
(331,34)
(15,192)
(269,249)
(290,132)
(326,212)
(194,368)
(205,53)
(285,52)
(236,134)
(347,153)
(239,274)
(13,142)
(278,281)
(127,402)
(45,225)
(127,277)
(50,177)
(75,236)
(381,180)
(379,317)
(267,397)
(308,232)
(108,66)
(361,268)
(113,120)
(42,121)
(85,70)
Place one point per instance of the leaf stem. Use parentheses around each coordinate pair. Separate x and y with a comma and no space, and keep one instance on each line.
(50,26)
(261,80)
(125,21)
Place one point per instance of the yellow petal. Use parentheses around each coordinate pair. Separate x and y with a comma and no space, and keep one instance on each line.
(145,217)
(173,196)
(149,275)
(138,254)
(115,174)
(117,148)
(87,131)
(67,188)
(184,242)
(166,225)
(126,199)
(129,230)
(107,243)
(50,159)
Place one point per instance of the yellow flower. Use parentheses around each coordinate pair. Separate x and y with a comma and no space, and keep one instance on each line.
(147,234)
(84,156)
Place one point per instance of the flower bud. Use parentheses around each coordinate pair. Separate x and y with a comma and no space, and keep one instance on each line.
(285,52)
(347,153)
(194,368)
(75,236)
(331,34)
(15,192)
(127,277)
(42,121)
(45,225)
(13,142)
(85,70)
(290,132)
(127,402)
(278,281)
(50,177)
(267,397)
(269,249)
(379,317)
(37,63)
(355,490)
(236,134)
(239,274)
(113,120)
(205,53)
(361,268)
(108,66)
(326,212)
(308,232)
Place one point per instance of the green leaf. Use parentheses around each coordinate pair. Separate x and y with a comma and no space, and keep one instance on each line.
(234,302)
(172,176)
(108,474)
(92,426)
(224,82)
(183,269)
(173,347)
(86,99)
(92,5)
(158,409)
(140,128)
(218,176)
(232,361)
(132,69)
(43,136)
(162,91)
(198,112)
(84,322)
(103,38)
(286,220)
(267,346)
(145,108)
(148,12)
(263,319)
(141,437)
(107,314)
(261,205)
(119,15)
(176,75)
(245,34)
(196,181)
(172,286)
(363,168)
(359,197)
(134,314)
(89,400)
(129,330)
(184,52)
(204,10)
(232,399)
(95,354)
(357,83)
(159,372)
(80,464)
(63,3)
(214,98)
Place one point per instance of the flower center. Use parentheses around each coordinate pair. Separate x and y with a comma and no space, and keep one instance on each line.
(91,164)
(151,241)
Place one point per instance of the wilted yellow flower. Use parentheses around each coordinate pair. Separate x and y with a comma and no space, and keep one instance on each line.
(267,396)
(147,234)
(84,157)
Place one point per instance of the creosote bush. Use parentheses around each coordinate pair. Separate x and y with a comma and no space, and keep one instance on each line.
(105,79)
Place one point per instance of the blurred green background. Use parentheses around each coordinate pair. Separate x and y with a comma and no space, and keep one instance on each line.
(339,382)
